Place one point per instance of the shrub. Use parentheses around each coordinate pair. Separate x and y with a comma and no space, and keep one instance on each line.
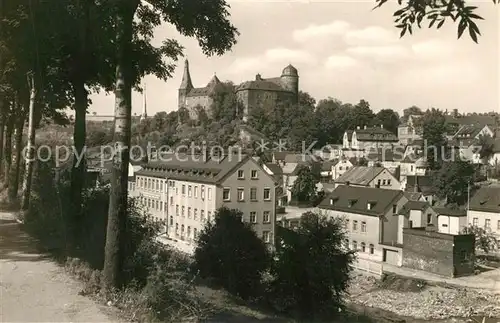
(230,253)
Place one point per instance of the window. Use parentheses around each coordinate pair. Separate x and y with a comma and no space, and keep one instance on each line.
(267,194)
(372,249)
(363,247)
(378,183)
(183,189)
(189,212)
(475,222)
(388,182)
(266,236)
(266,217)
(161,205)
(410,224)
(190,192)
(429,218)
(195,231)
(411,168)
(383,182)
(226,194)
(171,200)
(498,225)
(253,217)
(241,194)
(254,174)
(209,193)
(182,212)
(202,191)
(394,209)
(182,229)
(209,216)
(177,228)
(487,224)
(195,214)
(171,220)
(253,194)
(189,231)
(354,225)
(241,174)
(354,245)
(196,191)
(347,224)
(202,215)
(363,226)
(340,168)
(177,209)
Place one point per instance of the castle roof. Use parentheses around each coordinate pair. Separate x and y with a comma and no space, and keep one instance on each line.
(260,85)
(289,71)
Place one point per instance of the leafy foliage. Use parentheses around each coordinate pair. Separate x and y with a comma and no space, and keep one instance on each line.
(485,240)
(434,131)
(414,12)
(453,179)
(229,252)
(304,187)
(311,268)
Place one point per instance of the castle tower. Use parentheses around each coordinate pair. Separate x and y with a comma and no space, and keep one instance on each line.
(186,85)
(290,80)
(144,114)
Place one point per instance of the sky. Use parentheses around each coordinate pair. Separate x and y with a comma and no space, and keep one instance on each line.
(344,50)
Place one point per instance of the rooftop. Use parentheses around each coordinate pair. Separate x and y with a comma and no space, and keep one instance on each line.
(360,175)
(361,200)
(373,134)
(414,205)
(486,199)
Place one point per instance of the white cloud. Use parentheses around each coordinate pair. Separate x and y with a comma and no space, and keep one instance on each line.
(370,35)
(272,56)
(432,48)
(389,52)
(313,31)
(340,61)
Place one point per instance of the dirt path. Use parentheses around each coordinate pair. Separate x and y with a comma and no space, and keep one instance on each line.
(34,289)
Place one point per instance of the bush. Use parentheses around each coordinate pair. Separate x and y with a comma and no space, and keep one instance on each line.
(230,253)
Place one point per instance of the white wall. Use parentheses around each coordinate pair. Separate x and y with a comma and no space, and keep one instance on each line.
(482,216)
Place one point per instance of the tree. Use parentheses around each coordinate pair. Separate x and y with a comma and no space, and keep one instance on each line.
(225,105)
(387,118)
(311,268)
(304,187)
(362,115)
(436,13)
(453,181)
(485,240)
(208,22)
(327,121)
(237,266)
(487,145)
(434,130)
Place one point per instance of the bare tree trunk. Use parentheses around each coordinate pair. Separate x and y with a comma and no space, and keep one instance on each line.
(30,154)
(2,132)
(117,215)
(15,170)
(8,153)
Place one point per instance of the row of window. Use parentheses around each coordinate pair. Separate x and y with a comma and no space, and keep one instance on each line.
(226,194)
(153,204)
(371,247)
(152,184)
(487,223)
(189,234)
(192,190)
(384,182)
(192,213)
(355,225)
(241,174)
(266,217)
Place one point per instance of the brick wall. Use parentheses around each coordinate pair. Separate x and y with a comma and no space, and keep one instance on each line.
(438,253)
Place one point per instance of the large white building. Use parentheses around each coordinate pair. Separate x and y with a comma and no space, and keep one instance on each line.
(484,210)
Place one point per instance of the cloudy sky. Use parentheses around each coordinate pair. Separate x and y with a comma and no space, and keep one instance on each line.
(343,49)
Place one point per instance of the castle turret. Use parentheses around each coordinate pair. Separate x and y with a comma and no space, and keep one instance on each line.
(290,79)
(186,85)
(144,114)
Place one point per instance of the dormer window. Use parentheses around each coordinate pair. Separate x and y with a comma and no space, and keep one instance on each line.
(370,205)
(352,202)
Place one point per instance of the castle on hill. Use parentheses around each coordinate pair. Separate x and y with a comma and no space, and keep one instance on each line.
(250,93)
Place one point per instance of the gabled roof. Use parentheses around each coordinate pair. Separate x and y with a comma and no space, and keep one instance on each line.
(424,184)
(390,155)
(472,119)
(360,175)
(194,167)
(275,169)
(414,205)
(354,199)
(450,212)
(375,134)
(413,196)
(486,199)
(469,131)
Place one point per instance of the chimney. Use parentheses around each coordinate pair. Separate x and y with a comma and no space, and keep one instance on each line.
(358,127)
(364,127)
(258,77)
(381,126)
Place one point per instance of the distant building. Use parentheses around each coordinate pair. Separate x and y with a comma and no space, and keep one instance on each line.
(410,130)
(365,176)
(484,209)
(250,93)
(368,138)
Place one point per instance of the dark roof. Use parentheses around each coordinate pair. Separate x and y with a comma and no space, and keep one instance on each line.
(471,120)
(280,155)
(373,134)
(486,199)
(355,200)
(392,155)
(416,143)
(413,205)
(261,85)
(360,175)
(192,167)
(275,169)
(469,131)
(256,135)
(496,145)
(413,196)
(450,212)
(424,184)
